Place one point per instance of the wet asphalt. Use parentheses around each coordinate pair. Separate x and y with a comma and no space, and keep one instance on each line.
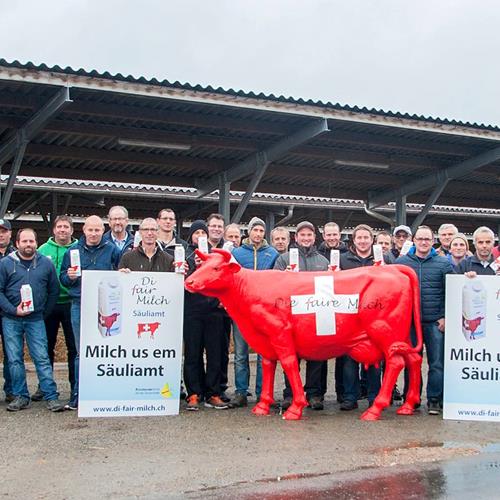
(232,453)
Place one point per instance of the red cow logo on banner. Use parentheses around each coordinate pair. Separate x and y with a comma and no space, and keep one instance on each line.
(147,328)
(365,313)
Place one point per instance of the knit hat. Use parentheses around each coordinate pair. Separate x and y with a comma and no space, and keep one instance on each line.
(255,221)
(304,224)
(197,224)
(462,237)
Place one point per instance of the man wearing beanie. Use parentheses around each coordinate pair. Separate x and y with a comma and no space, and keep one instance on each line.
(254,253)
(309,260)
(203,333)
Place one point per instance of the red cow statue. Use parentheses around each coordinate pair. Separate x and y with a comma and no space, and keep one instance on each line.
(365,313)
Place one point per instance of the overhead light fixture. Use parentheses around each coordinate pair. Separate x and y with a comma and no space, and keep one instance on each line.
(363,164)
(154,144)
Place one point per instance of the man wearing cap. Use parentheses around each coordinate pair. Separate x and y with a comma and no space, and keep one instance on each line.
(482,262)
(400,235)
(6,248)
(309,260)
(254,253)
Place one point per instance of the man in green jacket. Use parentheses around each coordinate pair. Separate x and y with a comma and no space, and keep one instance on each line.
(54,249)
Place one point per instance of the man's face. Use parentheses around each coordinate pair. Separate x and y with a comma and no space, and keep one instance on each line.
(484,245)
(62,232)
(196,236)
(232,234)
(118,221)
(149,233)
(399,239)
(423,241)
(445,237)
(331,235)
(93,231)
(458,248)
(280,241)
(256,235)
(384,240)
(305,237)
(215,230)
(5,236)
(26,244)
(363,242)
(166,221)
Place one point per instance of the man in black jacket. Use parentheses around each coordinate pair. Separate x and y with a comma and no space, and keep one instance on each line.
(482,262)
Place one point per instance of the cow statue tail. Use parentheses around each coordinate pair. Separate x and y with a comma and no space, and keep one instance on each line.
(408,271)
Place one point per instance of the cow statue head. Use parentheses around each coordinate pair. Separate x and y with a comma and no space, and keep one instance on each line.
(215,273)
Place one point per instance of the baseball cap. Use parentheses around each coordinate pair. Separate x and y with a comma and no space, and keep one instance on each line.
(5,224)
(402,227)
(304,224)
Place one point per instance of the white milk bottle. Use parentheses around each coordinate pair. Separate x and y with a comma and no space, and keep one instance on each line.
(294,260)
(334,260)
(109,299)
(378,255)
(179,258)
(473,310)
(27,298)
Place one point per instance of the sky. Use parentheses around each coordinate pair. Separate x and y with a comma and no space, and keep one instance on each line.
(434,58)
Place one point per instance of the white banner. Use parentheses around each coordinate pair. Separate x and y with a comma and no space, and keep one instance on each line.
(131,344)
(472,348)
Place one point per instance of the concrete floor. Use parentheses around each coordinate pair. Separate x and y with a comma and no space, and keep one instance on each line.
(45,455)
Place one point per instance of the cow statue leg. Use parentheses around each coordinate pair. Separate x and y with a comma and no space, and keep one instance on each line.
(267,395)
(413,362)
(290,366)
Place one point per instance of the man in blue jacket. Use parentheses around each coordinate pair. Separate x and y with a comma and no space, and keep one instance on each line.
(118,234)
(256,254)
(26,266)
(96,254)
(431,270)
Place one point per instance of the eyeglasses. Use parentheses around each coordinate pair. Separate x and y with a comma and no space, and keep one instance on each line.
(424,240)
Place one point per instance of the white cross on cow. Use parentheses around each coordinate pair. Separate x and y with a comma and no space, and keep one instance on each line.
(146,328)
(324,304)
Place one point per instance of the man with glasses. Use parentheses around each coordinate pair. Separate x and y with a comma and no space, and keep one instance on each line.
(431,270)
(399,236)
(167,236)
(148,256)
(118,234)
(215,225)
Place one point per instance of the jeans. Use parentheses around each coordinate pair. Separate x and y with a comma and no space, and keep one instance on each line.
(14,332)
(7,381)
(352,383)
(61,315)
(75,324)
(434,347)
(242,365)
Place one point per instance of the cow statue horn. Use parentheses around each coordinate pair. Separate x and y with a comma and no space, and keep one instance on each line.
(201,255)
(224,253)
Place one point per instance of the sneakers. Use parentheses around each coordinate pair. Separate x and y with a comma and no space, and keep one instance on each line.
(348,405)
(19,403)
(433,408)
(216,403)
(286,403)
(9,398)
(72,404)
(193,403)
(239,401)
(225,397)
(55,405)
(316,403)
(37,396)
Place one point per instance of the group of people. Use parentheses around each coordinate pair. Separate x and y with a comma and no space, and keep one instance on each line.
(56,298)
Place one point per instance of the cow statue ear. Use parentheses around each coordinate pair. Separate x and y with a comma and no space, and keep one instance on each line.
(233,267)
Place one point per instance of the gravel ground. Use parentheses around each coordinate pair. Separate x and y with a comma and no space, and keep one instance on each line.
(196,454)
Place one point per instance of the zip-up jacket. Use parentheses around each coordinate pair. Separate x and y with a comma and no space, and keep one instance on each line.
(325,250)
(55,253)
(42,277)
(431,272)
(351,260)
(474,264)
(170,246)
(137,260)
(251,257)
(129,241)
(102,257)
(309,260)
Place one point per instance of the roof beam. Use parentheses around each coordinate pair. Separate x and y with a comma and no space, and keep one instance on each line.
(464,168)
(268,155)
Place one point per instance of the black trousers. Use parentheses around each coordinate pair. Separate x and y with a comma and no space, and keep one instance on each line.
(316,375)
(225,352)
(203,333)
(61,315)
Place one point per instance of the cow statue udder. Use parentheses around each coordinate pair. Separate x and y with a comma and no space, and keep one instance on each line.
(365,313)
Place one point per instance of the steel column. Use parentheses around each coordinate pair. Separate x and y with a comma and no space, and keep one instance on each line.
(224,206)
(400,210)
(270,221)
